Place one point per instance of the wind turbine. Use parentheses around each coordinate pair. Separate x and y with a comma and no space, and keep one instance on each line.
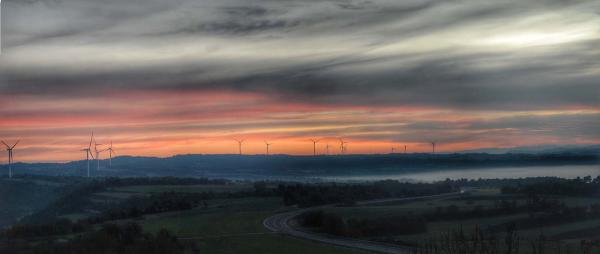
(393,150)
(343,145)
(404,148)
(10,156)
(88,153)
(240,142)
(97,153)
(268,144)
(110,152)
(314,141)
(327,148)
(433,146)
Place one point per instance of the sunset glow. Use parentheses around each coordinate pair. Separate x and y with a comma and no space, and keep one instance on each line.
(169,123)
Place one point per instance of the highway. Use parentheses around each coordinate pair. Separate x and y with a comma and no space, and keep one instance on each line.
(280,223)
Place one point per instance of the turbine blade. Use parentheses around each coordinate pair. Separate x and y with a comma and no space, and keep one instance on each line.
(7,146)
(15,144)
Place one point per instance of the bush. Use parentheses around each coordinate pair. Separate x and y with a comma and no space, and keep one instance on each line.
(334,224)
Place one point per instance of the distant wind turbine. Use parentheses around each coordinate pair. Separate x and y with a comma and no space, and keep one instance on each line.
(96,145)
(314,141)
(110,153)
(393,150)
(343,146)
(10,156)
(88,153)
(327,148)
(404,148)
(267,144)
(433,146)
(240,142)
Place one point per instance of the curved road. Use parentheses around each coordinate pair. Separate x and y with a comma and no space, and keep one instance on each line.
(279,223)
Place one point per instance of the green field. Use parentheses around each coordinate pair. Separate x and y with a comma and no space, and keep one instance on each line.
(268,244)
(225,225)
(567,231)
(408,208)
(223,217)
(235,226)
(118,194)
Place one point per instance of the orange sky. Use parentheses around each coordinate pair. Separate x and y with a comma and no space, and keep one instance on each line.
(169,123)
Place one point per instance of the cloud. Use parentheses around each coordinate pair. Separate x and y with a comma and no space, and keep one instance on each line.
(286,64)
(326,52)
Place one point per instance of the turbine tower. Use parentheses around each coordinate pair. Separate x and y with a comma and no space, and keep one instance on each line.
(240,142)
(267,144)
(314,141)
(404,148)
(88,153)
(110,153)
(97,153)
(10,156)
(327,148)
(343,146)
(433,146)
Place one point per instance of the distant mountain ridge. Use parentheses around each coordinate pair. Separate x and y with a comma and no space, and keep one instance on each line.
(286,166)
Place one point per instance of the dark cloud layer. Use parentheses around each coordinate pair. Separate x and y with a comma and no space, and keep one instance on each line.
(332,52)
(466,73)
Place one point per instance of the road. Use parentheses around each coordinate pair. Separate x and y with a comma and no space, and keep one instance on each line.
(280,223)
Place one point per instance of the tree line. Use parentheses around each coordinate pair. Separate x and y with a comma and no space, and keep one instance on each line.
(585,186)
(75,196)
(482,241)
(306,195)
(335,224)
(111,238)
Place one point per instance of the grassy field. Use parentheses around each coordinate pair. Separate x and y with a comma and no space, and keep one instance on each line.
(269,244)
(406,208)
(568,231)
(118,194)
(235,226)
(223,217)
(226,225)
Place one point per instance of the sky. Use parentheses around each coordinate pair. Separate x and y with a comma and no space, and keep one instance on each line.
(160,78)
